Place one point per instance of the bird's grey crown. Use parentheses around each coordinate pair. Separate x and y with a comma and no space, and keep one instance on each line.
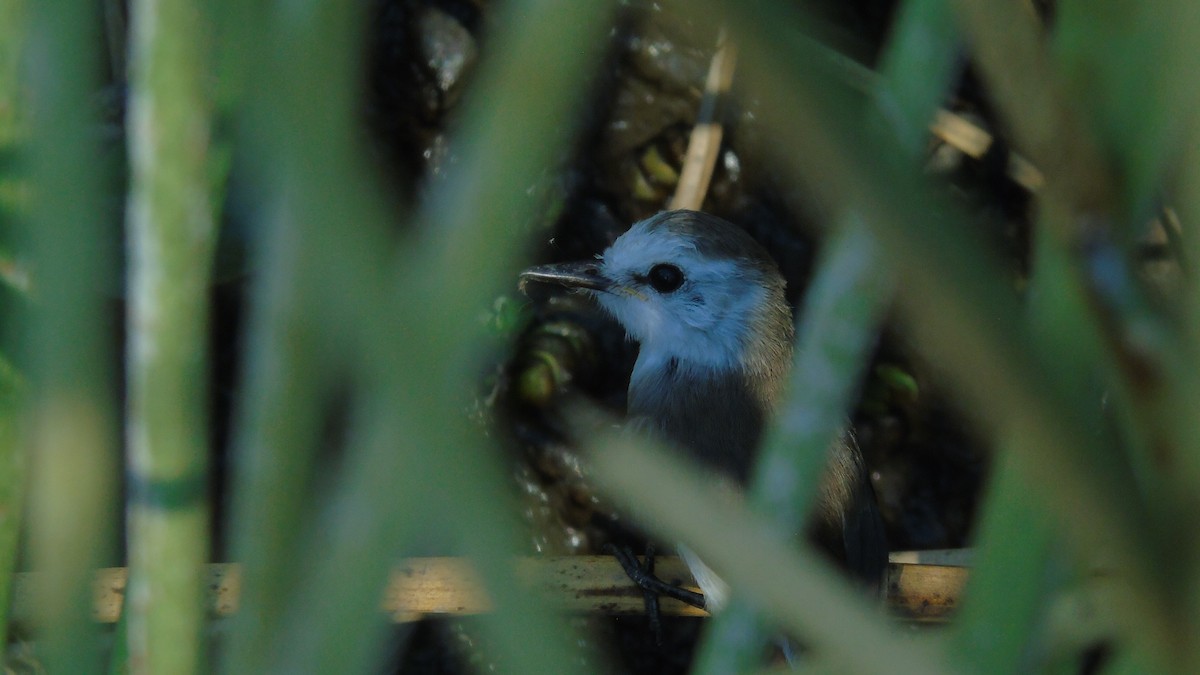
(730,312)
(713,238)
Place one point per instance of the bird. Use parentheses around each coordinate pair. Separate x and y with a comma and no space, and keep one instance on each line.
(706,304)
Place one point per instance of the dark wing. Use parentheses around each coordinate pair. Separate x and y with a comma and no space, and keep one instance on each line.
(847,523)
(863,537)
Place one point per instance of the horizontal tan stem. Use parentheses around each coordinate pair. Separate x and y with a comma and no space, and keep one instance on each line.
(448,586)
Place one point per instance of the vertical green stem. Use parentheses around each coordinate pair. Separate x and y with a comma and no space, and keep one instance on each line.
(1094,183)
(12,485)
(918,66)
(278,436)
(71,428)
(306,165)
(1010,583)
(837,332)
(12,464)
(960,311)
(118,659)
(171,237)
(842,313)
(12,37)
(412,465)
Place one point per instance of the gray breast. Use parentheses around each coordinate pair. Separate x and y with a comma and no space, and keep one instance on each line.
(717,418)
(720,420)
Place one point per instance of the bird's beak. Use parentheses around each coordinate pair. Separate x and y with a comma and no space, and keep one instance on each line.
(583,275)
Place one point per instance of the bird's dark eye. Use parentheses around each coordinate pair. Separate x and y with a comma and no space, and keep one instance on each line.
(665,278)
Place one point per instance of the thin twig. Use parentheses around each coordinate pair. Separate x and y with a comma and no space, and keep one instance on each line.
(974,141)
(704,146)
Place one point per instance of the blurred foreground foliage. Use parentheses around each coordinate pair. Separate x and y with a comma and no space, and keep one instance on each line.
(226,143)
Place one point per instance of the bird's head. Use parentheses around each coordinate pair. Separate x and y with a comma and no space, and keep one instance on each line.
(690,287)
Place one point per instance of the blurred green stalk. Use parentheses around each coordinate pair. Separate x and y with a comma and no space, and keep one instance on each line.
(837,332)
(961,311)
(171,237)
(1100,180)
(1129,67)
(12,457)
(1007,41)
(1104,163)
(279,425)
(843,307)
(68,341)
(301,151)
(796,589)
(1010,585)
(278,435)
(917,68)
(12,38)
(412,466)
(118,658)
(12,485)
(1141,104)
